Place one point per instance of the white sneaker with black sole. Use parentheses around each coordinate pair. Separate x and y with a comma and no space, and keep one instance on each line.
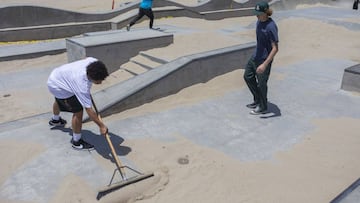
(258,111)
(81,145)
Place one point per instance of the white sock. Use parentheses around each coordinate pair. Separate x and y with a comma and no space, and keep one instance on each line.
(76,136)
(56,117)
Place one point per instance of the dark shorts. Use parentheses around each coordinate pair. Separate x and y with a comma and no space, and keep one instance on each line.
(70,104)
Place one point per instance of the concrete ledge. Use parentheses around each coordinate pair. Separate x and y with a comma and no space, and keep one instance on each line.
(51,31)
(351,79)
(210,5)
(172,77)
(350,194)
(227,13)
(15,52)
(116,48)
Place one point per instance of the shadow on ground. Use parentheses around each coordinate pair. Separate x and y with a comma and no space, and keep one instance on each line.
(273,111)
(100,144)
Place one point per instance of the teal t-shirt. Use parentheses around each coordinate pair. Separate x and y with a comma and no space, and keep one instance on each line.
(146,4)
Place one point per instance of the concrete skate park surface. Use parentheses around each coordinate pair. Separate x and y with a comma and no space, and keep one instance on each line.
(38,162)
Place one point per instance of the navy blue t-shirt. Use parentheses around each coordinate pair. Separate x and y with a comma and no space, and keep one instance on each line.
(266,33)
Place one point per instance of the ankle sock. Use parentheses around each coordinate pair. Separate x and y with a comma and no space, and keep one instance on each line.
(76,136)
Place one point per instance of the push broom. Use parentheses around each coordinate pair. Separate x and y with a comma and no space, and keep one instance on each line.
(120,168)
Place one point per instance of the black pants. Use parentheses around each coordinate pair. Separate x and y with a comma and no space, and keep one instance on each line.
(356,4)
(257,83)
(148,12)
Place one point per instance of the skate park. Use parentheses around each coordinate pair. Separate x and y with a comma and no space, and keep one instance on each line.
(160,82)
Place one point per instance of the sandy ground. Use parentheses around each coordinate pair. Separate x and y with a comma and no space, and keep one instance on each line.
(308,172)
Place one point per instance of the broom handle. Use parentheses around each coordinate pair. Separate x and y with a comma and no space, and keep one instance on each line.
(117,161)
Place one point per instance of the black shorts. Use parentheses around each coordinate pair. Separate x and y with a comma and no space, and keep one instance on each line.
(70,104)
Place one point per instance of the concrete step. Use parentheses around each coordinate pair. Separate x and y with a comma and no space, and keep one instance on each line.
(133,68)
(153,58)
(114,78)
(145,62)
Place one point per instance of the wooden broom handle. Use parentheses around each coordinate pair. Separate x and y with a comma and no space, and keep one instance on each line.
(113,152)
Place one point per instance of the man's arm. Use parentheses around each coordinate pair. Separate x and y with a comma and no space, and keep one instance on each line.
(261,68)
(94,117)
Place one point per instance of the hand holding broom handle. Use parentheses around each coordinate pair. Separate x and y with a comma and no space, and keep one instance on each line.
(113,152)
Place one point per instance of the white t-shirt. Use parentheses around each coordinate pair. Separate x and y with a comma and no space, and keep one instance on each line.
(71,79)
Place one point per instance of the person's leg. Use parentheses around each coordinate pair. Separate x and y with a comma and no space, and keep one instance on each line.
(138,17)
(250,79)
(77,122)
(56,109)
(77,141)
(263,88)
(149,13)
(356,4)
(56,119)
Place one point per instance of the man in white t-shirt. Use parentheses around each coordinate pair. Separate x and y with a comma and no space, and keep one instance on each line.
(70,84)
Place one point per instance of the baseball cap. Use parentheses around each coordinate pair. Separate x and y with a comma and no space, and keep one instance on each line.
(261,8)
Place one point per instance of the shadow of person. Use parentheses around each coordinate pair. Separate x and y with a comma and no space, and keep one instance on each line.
(100,144)
(273,111)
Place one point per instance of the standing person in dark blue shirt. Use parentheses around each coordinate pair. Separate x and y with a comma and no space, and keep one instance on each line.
(144,9)
(257,71)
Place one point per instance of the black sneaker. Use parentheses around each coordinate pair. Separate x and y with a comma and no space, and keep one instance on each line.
(81,145)
(258,111)
(60,122)
(252,105)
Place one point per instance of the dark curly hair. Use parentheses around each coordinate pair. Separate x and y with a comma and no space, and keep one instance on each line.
(97,71)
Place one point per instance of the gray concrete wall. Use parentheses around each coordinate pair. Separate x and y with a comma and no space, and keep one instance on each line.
(51,31)
(211,5)
(229,13)
(172,77)
(26,16)
(351,79)
(39,23)
(116,48)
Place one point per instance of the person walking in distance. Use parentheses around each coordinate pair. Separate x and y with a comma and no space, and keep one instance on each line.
(257,70)
(144,9)
(70,84)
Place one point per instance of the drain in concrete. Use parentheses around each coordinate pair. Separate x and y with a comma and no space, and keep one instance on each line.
(183,160)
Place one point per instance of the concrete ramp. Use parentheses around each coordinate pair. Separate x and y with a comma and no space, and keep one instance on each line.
(172,77)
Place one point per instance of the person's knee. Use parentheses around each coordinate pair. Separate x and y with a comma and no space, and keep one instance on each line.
(248,76)
(78,115)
